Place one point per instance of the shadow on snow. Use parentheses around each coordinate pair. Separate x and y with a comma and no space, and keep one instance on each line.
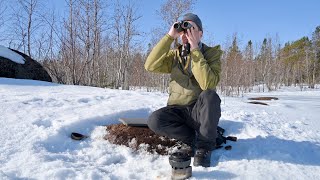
(61,141)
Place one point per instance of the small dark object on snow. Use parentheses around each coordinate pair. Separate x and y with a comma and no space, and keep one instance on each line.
(264,98)
(228,147)
(257,102)
(77,136)
(232,138)
(180,163)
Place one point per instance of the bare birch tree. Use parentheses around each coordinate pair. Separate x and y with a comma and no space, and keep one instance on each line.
(124,31)
(249,66)
(26,23)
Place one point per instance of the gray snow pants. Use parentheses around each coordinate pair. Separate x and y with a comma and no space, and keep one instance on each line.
(195,124)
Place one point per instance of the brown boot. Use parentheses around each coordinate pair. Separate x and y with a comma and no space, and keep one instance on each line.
(202,158)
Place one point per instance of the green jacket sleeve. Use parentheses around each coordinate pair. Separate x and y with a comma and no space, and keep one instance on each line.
(161,57)
(207,71)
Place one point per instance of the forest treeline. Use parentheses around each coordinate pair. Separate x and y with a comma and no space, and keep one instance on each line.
(99,43)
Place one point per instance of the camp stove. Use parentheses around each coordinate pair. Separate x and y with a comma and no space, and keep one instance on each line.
(180,163)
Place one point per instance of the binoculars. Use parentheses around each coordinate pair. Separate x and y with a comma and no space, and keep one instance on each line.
(182,26)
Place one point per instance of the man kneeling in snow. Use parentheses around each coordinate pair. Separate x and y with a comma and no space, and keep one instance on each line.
(193,109)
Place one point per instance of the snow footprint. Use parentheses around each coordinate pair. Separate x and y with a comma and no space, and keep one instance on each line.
(99,98)
(89,100)
(43,123)
(33,101)
(51,102)
(84,100)
(113,159)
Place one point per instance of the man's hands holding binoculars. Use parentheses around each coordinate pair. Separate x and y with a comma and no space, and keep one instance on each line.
(188,31)
(193,37)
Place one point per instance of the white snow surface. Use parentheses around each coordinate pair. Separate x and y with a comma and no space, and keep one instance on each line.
(279,141)
(11,55)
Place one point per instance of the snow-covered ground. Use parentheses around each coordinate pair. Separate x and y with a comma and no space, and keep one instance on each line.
(280,141)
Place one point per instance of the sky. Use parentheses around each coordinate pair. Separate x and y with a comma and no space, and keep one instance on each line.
(253,20)
(284,20)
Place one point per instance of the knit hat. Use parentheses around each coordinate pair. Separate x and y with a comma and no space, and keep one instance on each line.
(194,18)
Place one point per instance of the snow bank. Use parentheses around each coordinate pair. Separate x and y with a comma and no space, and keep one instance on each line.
(11,55)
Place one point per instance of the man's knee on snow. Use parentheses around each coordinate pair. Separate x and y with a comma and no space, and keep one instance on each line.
(154,122)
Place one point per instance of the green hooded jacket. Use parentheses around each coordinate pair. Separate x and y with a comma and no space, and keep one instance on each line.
(186,84)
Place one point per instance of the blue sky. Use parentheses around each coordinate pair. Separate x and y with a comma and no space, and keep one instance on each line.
(256,19)
(250,19)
